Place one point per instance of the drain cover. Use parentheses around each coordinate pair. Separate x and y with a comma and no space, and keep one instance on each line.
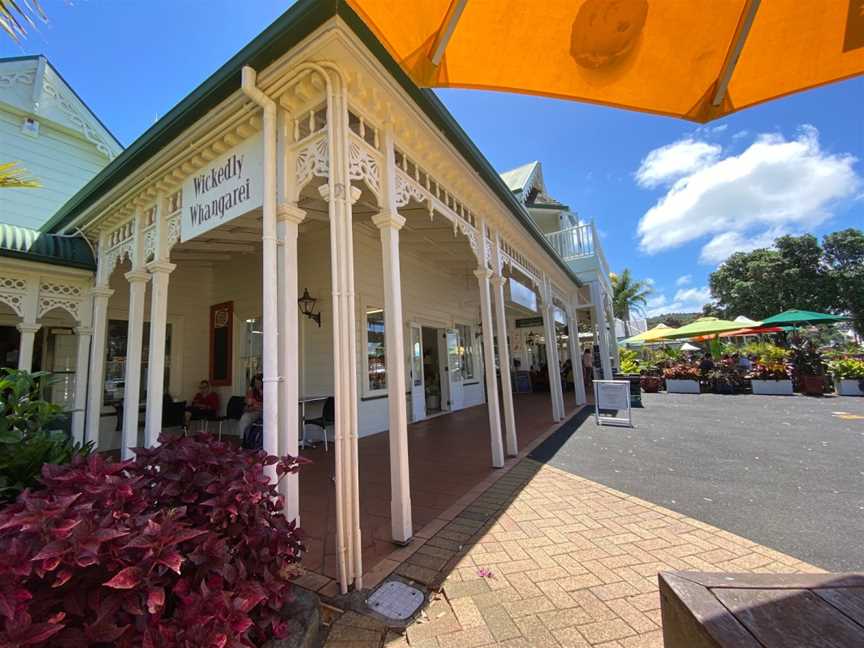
(395,600)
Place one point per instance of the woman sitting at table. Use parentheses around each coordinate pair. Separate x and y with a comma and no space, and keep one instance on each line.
(205,404)
(253,406)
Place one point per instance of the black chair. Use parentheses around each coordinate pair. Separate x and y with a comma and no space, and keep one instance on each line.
(253,438)
(173,413)
(328,417)
(233,411)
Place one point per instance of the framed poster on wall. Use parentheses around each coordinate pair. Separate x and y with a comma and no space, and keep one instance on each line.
(221,343)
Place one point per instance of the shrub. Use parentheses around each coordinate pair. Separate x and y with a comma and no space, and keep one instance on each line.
(629,362)
(186,545)
(847,369)
(766,352)
(769,371)
(27,440)
(682,372)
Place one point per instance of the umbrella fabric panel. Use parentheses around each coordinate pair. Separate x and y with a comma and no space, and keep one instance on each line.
(791,317)
(648,55)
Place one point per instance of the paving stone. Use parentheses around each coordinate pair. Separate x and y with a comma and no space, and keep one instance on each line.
(606,630)
(468,638)
(500,623)
(466,588)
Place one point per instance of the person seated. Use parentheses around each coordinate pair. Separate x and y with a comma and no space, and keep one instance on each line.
(254,405)
(707,363)
(205,404)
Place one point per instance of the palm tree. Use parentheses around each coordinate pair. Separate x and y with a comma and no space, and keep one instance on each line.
(16,16)
(628,295)
(12,176)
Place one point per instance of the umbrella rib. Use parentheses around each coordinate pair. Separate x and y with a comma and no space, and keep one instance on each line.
(445,32)
(735,53)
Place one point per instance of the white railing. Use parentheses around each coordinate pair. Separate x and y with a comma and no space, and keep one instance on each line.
(579,242)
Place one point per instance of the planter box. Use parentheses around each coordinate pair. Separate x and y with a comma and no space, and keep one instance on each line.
(675,386)
(850,387)
(772,387)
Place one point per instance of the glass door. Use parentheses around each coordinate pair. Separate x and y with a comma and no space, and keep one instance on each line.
(418,386)
(454,370)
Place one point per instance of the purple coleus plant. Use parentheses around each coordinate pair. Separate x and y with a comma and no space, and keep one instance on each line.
(186,545)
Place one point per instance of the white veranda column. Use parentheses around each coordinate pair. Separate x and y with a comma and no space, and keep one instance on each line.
(483,275)
(613,337)
(160,272)
(389,223)
(504,364)
(598,306)
(84,331)
(101,294)
(28,332)
(556,375)
(575,356)
(549,335)
(134,341)
(290,218)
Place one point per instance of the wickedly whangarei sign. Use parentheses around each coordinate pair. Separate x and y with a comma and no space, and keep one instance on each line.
(229,186)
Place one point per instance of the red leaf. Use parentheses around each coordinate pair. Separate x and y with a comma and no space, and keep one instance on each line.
(155,599)
(125,579)
(172,560)
(62,576)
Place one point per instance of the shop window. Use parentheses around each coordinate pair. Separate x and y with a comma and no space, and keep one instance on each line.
(251,352)
(375,349)
(466,351)
(115,361)
(60,358)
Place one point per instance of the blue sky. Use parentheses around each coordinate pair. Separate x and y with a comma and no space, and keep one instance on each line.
(670,198)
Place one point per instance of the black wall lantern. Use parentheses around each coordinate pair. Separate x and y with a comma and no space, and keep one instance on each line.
(307,307)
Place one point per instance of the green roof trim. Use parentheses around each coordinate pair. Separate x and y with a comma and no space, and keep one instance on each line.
(33,245)
(285,32)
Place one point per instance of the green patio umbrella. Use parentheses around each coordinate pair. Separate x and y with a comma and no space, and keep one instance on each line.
(703,326)
(802,318)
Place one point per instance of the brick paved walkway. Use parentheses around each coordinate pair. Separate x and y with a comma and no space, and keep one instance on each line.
(546,558)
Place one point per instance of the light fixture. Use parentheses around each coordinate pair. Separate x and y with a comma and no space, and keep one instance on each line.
(307,307)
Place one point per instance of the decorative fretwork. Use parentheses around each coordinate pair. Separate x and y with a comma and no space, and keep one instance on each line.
(406,189)
(312,122)
(173,223)
(12,292)
(175,202)
(120,244)
(517,260)
(71,306)
(11,78)
(68,105)
(363,129)
(363,165)
(312,160)
(150,243)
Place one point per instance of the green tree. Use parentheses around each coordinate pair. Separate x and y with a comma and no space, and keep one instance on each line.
(844,257)
(796,273)
(628,296)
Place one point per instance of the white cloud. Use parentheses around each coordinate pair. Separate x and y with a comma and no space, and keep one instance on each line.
(683,280)
(721,246)
(686,300)
(650,281)
(775,185)
(668,163)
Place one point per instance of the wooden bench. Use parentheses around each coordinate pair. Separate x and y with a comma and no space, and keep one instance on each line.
(702,610)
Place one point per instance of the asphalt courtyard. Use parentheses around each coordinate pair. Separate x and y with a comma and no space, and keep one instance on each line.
(786,472)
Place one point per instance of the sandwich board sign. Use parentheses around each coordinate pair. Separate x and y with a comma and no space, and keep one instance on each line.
(229,186)
(612,402)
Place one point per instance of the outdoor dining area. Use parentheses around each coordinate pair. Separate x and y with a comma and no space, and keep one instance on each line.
(792,352)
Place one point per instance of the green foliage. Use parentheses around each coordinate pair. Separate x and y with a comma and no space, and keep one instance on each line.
(28,438)
(628,295)
(766,352)
(797,273)
(807,359)
(629,361)
(675,320)
(847,369)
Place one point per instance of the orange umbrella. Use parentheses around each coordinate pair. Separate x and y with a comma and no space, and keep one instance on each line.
(696,59)
(757,330)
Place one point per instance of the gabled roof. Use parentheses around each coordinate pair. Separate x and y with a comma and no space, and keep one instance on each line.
(517,178)
(33,245)
(36,87)
(285,32)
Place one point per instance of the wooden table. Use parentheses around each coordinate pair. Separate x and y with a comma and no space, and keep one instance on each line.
(762,610)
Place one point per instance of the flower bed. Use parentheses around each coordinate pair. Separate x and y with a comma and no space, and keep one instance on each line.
(186,545)
(849,376)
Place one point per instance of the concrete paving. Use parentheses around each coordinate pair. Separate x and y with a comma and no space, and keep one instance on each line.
(786,472)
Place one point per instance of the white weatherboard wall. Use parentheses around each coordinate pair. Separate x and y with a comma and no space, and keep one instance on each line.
(63,163)
(430,297)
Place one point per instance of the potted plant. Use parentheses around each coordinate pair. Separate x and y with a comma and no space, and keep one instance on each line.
(849,376)
(724,381)
(682,379)
(770,378)
(809,368)
(629,371)
(651,383)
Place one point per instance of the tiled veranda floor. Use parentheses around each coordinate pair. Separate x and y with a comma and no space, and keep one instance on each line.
(449,457)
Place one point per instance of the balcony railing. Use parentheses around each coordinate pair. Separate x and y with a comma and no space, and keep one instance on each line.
(579,242)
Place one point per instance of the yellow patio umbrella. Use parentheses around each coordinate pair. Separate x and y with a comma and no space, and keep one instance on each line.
(656,333)
(704,326)
(696,59)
